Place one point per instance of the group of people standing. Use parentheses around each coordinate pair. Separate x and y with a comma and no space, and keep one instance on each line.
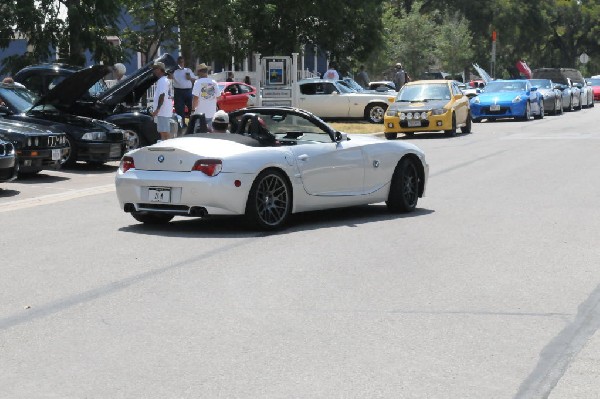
(198,92)
(400,78)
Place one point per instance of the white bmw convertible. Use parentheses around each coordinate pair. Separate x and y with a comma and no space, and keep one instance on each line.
(277,162)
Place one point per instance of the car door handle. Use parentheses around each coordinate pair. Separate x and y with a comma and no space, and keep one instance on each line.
(303,157)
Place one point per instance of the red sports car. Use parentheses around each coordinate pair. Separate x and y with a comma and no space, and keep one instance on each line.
(595,83)
(236,95)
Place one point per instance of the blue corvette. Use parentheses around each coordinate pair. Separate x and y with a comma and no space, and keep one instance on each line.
(516,99)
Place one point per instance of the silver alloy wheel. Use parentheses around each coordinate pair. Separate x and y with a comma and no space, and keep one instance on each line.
(410,184)
(272,200)
(376,114)
(132,139)
(67,154)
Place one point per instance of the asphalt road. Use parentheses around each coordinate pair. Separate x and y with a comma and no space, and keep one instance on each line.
(490,289)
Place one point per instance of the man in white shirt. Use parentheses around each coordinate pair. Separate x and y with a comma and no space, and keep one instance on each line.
(331,73)
(183,80)
(163,107)
(205,94)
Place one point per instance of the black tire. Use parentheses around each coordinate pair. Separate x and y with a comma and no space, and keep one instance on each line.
(452,132)
(491,119)
(580,104)
(152,218)
(570,108)
(555,109)
(269,203)
(404,189)
(71,157)
(467,128)
(476,120)
(391,136)
(541,114)
(374,113)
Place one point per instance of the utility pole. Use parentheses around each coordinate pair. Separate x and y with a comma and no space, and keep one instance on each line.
(493,62)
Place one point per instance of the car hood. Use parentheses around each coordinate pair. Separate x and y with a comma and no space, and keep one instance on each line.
(73,87)
(420,105)
(132,88)
(484,75)
(28,129)
(68,122)
(492,98)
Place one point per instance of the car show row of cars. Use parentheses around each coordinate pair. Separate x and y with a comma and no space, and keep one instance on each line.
(438,105)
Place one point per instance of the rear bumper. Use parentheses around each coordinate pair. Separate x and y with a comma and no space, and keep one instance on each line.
(99,152)
(218,195)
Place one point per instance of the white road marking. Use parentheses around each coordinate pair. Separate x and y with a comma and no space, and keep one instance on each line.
(53,198)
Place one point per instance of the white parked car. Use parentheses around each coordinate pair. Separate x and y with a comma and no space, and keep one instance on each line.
(330,99)
(280,161)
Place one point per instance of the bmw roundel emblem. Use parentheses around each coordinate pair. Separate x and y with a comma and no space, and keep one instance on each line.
(161,158)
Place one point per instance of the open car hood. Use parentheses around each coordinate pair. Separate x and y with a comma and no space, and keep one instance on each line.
(135,86)
(73,87)
(484,75)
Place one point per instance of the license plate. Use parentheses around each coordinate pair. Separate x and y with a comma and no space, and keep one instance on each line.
(56,155)
(159,194)
(494,108)
(115,151)
(414,123)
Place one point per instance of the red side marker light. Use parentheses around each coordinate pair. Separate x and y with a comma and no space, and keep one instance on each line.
(237,183)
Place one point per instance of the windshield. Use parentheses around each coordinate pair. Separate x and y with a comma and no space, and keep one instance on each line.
(291,129)
(18,98)
(98,88)
(497,86)
(541,83)
(343,89)
(352,84)
(595,82)
(423,92)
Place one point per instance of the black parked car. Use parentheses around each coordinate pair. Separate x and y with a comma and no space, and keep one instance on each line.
(38,147)
(88,139)
(9,166)
(86,94)
(571,92)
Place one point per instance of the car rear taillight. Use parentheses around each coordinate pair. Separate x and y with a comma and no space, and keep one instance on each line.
(126,164)
(210,167)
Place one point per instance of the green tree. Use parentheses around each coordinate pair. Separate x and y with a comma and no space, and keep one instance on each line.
(454,44)
(153,23)
(410,38)
(86,25)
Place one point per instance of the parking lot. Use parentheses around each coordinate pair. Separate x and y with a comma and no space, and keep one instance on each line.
(489,289)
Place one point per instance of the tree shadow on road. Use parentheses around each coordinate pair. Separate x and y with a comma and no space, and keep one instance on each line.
(4,193)
(90,169)
(234,226)
(40,178)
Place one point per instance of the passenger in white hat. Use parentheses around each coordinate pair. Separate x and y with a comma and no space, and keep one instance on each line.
(220,122)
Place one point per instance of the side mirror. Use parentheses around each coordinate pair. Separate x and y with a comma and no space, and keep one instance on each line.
(339,137)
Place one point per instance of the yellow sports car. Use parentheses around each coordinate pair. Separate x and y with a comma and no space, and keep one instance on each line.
(428,106)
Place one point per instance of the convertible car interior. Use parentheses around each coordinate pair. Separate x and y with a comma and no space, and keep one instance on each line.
(257,129)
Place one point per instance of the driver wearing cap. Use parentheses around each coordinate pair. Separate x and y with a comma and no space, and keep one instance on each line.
(220,122)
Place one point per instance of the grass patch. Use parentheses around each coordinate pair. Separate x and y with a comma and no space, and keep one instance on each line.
(358,127)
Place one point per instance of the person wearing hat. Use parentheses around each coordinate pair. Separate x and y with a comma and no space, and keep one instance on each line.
(220,122)
(400,77)
(205,92)
(163,109)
